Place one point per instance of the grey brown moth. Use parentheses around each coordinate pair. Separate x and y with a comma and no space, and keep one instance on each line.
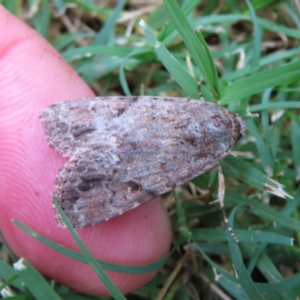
(125,151)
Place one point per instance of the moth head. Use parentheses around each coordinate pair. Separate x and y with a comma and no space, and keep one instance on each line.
(226,128)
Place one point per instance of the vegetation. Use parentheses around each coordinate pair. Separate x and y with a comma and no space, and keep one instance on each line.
(246,55)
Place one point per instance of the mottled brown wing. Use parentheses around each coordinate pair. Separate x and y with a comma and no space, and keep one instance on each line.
(126,151)
(91,189)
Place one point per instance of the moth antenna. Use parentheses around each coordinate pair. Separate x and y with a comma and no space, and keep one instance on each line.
(221,194)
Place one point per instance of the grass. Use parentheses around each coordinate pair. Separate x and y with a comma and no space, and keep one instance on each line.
(247,56)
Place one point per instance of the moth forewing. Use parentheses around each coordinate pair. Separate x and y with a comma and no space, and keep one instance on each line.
(125,151)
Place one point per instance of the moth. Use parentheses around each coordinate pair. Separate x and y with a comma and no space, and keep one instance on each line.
(125,151)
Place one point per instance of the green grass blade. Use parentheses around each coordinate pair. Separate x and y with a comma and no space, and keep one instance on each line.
(260,75)
(7,273)
(197,47)
(266,24)
(274,105)
(114,291)
(256,37)
(271,148)
(123,81)
(79,257)
(183,78)
(277,283)
(230,19)
(250,174)
(295,138)
(89,51)
(260,81)
(41,19)
(242,272)
(60,6)
(169,33)
(7,247)
(232,287)
(94,70)
(34,281)
(90,6)
(106,33)
(13,6)
(253,236)
(261,146)
(66,40)
(263,210)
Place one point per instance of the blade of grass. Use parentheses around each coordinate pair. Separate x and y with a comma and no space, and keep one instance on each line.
(291,9)
(77,53)
(256,37)
(263,210)
(278,283)
(41,19)
(248,173)
(34,281)
(169,33)
(230,19)
(242,272)
(105,265)
(93,70)
(260,81)
(270,147)
(197,47)
(89,6)
(272,59)
(106,33)
(66,40)
(60,6)
(274,105)
(262,148)
(182,77)
(231,287)
(7,273)
(14,7)
(122,76)
(243,236)
(295,139)
(114,291)
(7,247)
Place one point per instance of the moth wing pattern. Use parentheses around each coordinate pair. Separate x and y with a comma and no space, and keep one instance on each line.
(126,151)
(111,189)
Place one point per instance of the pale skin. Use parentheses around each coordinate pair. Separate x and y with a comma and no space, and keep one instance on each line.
(33,76)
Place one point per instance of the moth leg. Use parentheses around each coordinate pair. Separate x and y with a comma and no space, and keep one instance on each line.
(221,194)
(200,81)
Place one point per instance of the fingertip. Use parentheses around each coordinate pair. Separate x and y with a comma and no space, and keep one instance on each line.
(32,76)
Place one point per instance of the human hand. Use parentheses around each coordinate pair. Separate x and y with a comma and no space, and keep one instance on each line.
(33,76)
